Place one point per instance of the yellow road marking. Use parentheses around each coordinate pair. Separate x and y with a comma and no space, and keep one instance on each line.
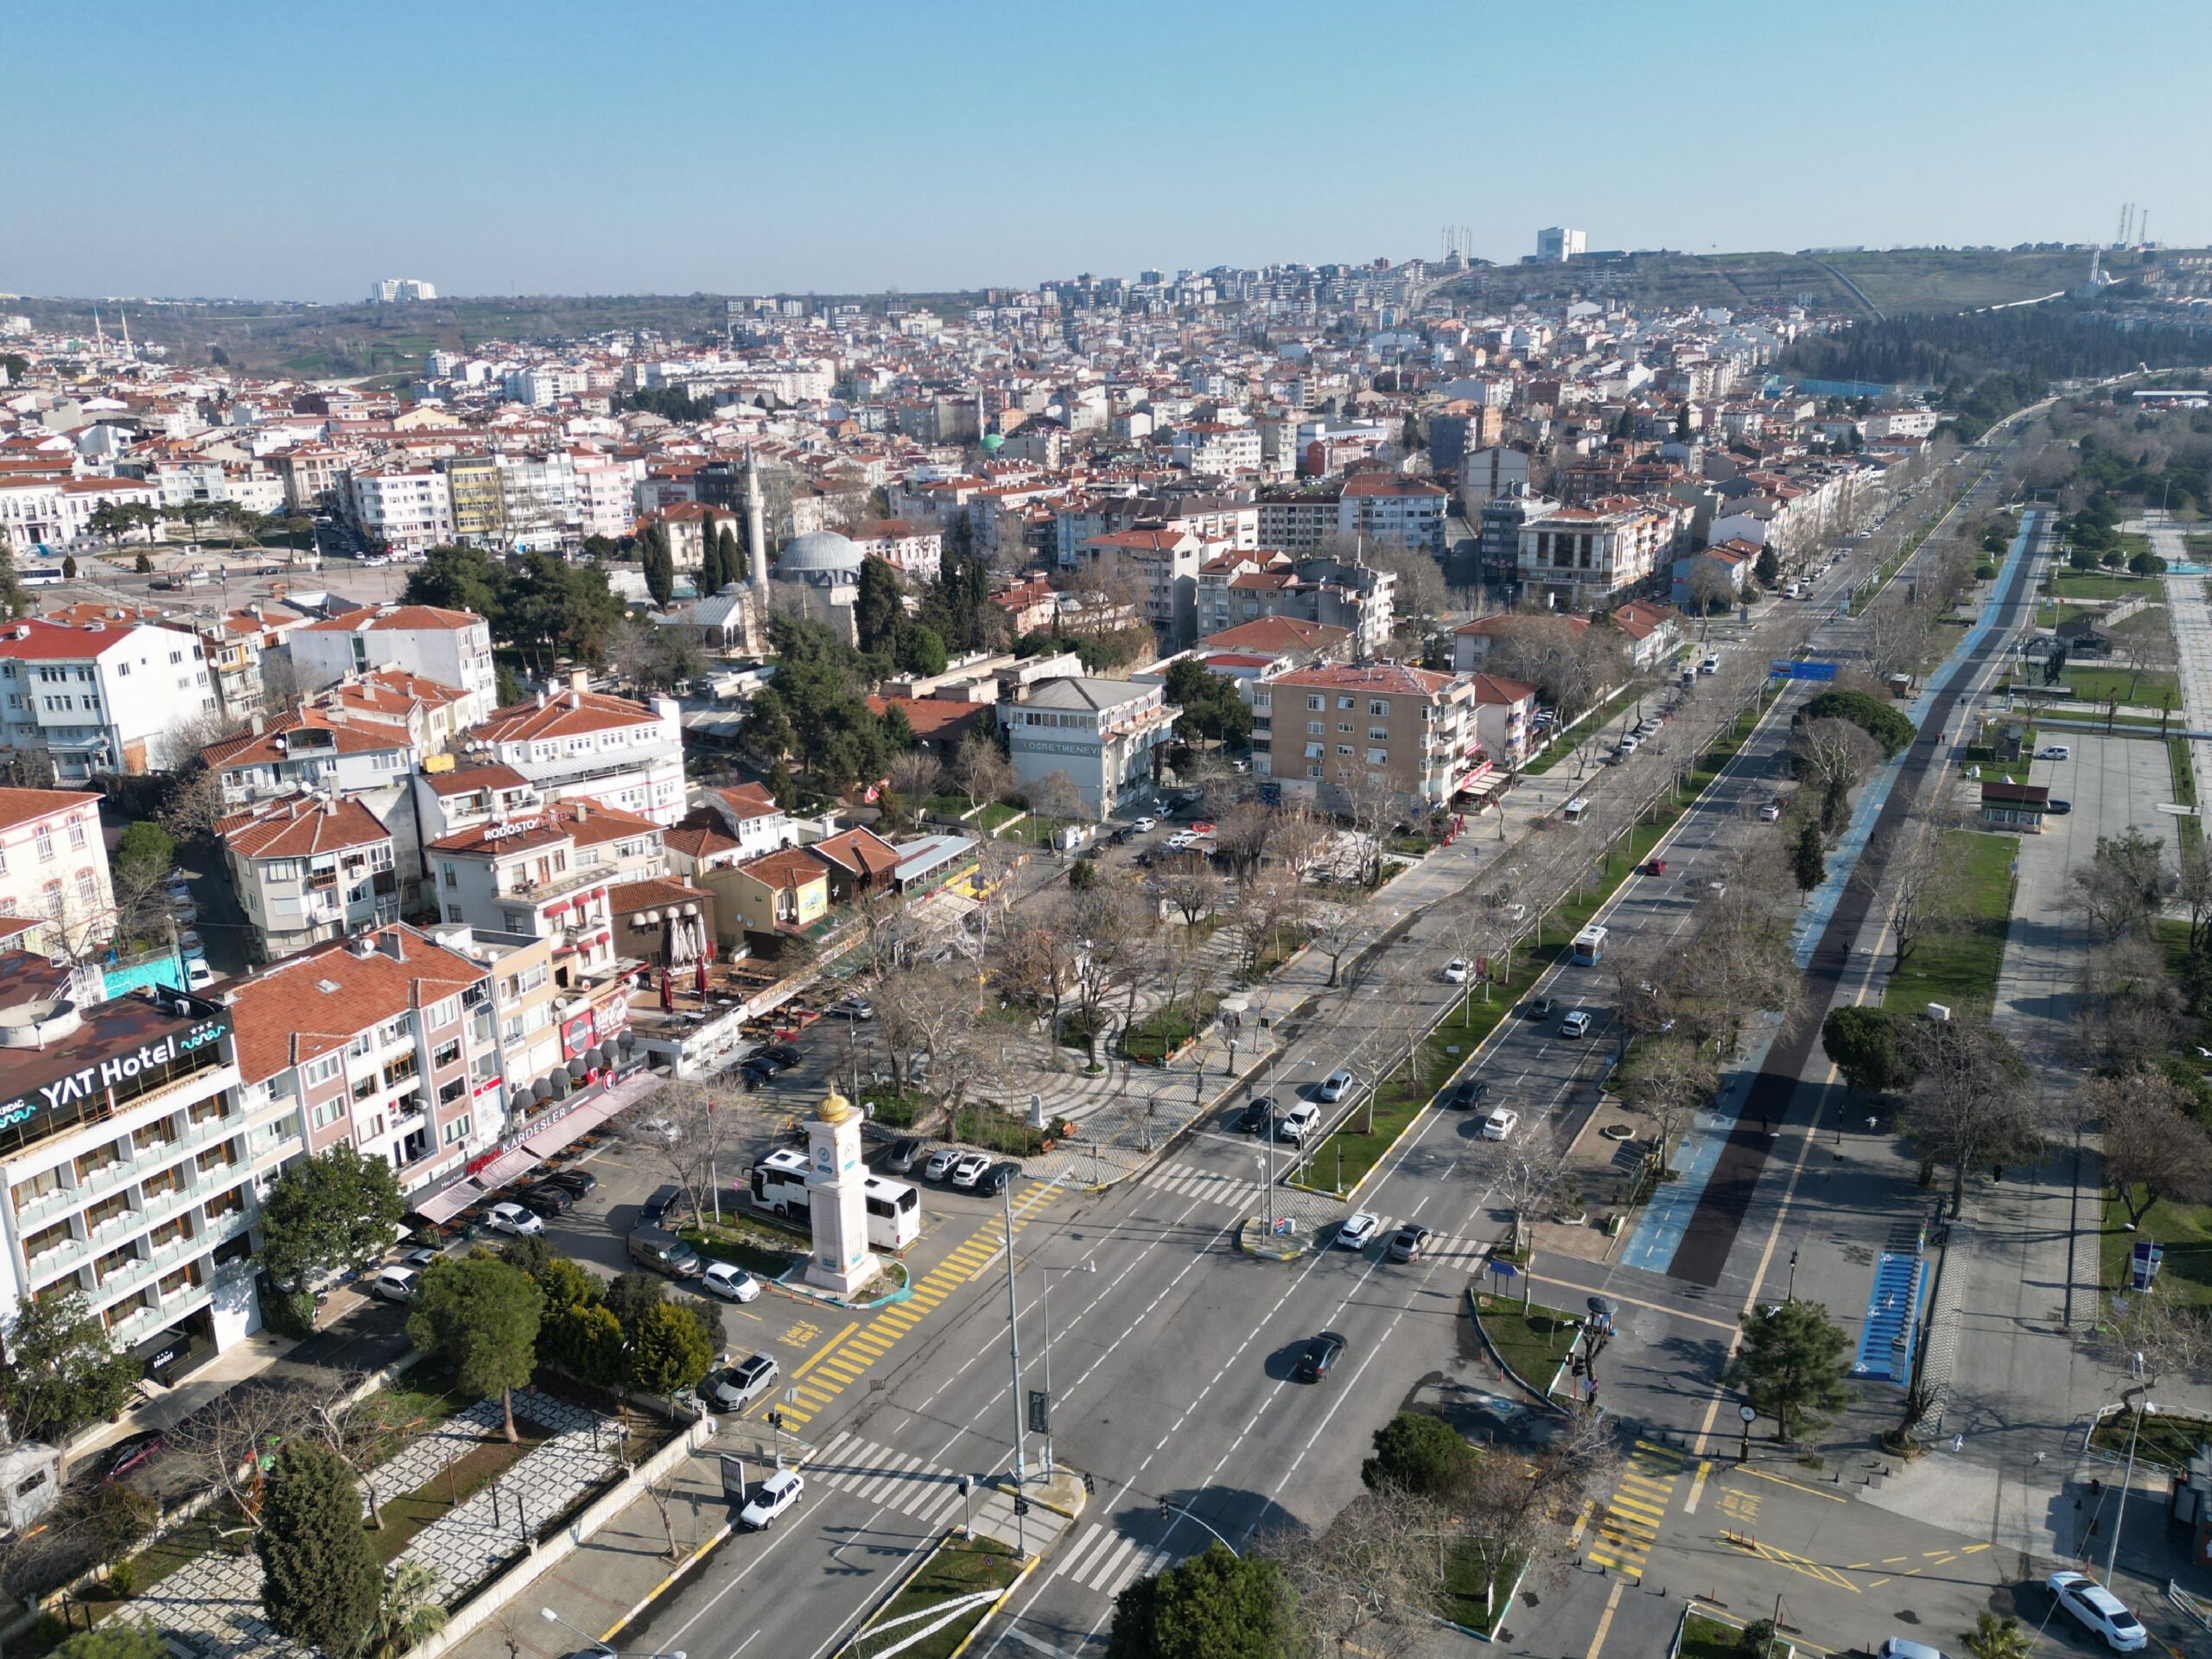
(1783,1480)
(1697,1486)
(824,1351)
(1605,1620)
(1974,1549)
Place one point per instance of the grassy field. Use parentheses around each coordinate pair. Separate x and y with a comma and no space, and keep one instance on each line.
(961,1567)
(1958,966)
(2151,689)
(1534,1340)
(2163,1438)
(2185,1231)
(997,813)
(1474,1597)
(753,1245)
(2092,584)
(1704,1637)
(1165,1030)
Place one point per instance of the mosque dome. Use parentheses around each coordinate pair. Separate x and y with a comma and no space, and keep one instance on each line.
(820,552)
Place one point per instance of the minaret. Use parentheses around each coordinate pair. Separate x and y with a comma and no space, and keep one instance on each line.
(756,533)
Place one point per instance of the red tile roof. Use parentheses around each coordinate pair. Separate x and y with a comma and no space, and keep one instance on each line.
(1279,634)
(317,1001)
(19,806)
(569,714)
(273,743)
(301,826)
(385,618)
(1386,679)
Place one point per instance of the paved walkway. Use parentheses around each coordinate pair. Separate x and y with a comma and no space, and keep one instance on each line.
(2189,613)
(215,1601)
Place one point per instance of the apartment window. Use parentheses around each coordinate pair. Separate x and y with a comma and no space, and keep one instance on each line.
(393,1030)
(1313,771)
(364,1085)
(45,837)
(105,1211)
(231,1204)
(176,1283)
(1347,703)
(452,1091)
(88,889)
(444,1013)
(1378,757)
(455,1131)
(115,1262)
(399,1070)
(1344,748)
(1379,709)
(1378,734)
(106,1156)
(215,1158)
(47,1239)
(1317,703)
(447,1054)
(1315,728)
(77,835)
(318,1071)
(453,876)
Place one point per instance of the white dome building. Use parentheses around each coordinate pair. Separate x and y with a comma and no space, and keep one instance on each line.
(821,559)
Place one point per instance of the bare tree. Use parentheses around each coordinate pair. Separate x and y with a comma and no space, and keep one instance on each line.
(1371,1583)
(1523,1177)
(1262,913)
(1190,887)
(1673,1077)
(2171,1339)
(1244,835)
(223,1441)
(1833,756)
(914,776)
(2154,1147)
(690,1139)
(2193,887)
(2124,884)
(1923,867)
(982,770)
(1970,1098)
(1056,795)
(663,1494)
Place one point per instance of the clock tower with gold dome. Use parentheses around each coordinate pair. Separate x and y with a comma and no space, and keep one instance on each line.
(841,1264)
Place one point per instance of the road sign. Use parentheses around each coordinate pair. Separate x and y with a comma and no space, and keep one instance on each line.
(1788,670)
(1503,1269)
(1040,1411)
(2143,1263)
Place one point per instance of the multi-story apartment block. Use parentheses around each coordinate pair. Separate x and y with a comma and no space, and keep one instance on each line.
(918,553)
(538,495)
(1584,558)
(1391,507)
(234,647)
(546,876)
(1237,589)
(525,1013)
(1335,733)
(126,1153)
(447,802)
(1103,733)
(312,474)
(380,1041)
(97,698)
(306,869)
(311,752)
(53,867)
(401,509)
(606,493)
(479,518)
(1209,449)
(579,744)
(450,647)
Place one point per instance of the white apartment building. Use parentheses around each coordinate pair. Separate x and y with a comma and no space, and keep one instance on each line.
(1209,449)
(384,1041)
(1391,507)
(538,494)
(307,869)
(309,752)
(607,499)
(526,877)
(1582,558)
(917,552)
(99,697)
(1102,734)
(126,1153)
(54,866)
(403,510)
(580,744)
(453,648)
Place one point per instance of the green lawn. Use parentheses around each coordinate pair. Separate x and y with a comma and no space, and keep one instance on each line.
(2185,1231)
(2089,584)
(406,1514)
(1958,966)
(1163,1031)
(960,1566)
(1704,1637)
(1534,1339)
(1565,745)
(2151,689)
(1474,1597)
(948,806)
(753,1245)
(997,813)
(1035,830)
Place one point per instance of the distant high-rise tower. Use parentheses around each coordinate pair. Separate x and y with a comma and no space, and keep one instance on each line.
(1558,245)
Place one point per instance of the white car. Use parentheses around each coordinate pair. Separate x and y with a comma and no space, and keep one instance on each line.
(2100,1611)
(1299,1122)
(1501,1123)
(189,941)
(939,1168)
(1181,842)
(397,1284)
(2058,751)
(1335,1086)
(771,1498)
(1145,825)
(738,1386)
(198,975)
(1357,1231)
(1769,811)
(1456,971)
(970,1169)
(1630,744)
(1575,1025)
(727,1279)
(1710,665)
(514,1218)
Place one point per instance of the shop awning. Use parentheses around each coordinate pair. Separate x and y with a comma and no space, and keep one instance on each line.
(555,1136)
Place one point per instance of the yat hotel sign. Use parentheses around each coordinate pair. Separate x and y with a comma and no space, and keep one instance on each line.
(128,1071)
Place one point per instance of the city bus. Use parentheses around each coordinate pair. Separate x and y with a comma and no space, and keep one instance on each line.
(1589,946)
(41,575)
(895,1208)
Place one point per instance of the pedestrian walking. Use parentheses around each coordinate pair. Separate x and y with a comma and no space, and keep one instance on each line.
(1958,1442)
(2038,1457)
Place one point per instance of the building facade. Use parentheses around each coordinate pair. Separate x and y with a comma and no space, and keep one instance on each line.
(53,867)
(1335,734)
(100,699)
(1103,733)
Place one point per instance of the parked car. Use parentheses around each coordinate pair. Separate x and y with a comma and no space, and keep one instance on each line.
(1542,1008)
(1319,1356)
(1457,970)
(1466,1093)
(2058,752)
(1408,1243)
(2099,1611)
(905,1152)
(1298,1122)
(1501,1123)
(761,1060)
(1655,867)
(1357,1231)
(1902,1646)
(581,1182)
(513,1219)
(939,1166)
(1145,824)
(754,1071)
(851,1007)
(663,1251)
(189,941)
(130,1452)
(546,1198)
(1335,1086)
(395,1285)
(198,975)
(1575,1025)
(1769,811)
(665,1201)
(2058,809)
(998,1177)
(969,1170)
(739,1385)
(729,1281)
(1258,1117)
(1710,665)
(771,1498)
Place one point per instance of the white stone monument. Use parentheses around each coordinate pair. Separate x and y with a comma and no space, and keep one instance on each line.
(841,1264)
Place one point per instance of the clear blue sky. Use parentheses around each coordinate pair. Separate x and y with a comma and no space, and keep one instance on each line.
(302,149)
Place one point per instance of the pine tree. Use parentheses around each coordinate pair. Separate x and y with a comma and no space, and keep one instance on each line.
(659,566)
(320,1585)
(712,574)
(1808,858)
(734,566)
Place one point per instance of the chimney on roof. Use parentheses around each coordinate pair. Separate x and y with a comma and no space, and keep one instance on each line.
(575,699)
(583,810)
(254,725)
(540,699)
(579,680)
(392,944)
(363,945)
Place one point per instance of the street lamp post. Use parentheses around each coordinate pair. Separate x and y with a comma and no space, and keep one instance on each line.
(1045,1302)
(1014,1345)
(2120,1504)
(552,1617)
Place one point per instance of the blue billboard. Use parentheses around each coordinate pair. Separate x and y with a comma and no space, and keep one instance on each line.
(1781,670)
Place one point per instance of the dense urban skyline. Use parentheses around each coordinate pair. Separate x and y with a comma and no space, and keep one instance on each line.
(748,149)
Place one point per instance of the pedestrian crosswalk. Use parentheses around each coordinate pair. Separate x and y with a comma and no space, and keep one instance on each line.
(1106,1559)
(1629,1524)
(1186,1182)
(898,1480)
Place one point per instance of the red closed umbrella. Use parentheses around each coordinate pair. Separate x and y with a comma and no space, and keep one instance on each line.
(702,977)
(667,993)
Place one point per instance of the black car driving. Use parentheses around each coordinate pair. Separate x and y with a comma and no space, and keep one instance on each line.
(1318,1355)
